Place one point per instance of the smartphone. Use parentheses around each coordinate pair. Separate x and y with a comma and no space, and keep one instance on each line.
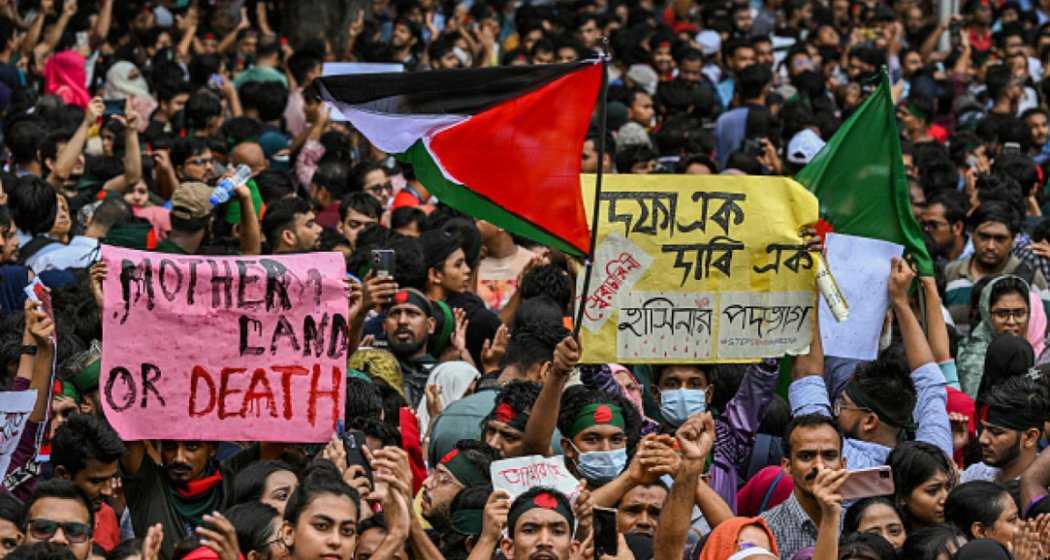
(383,262)
(353,440)
(864,483)
(606,540)
(216,81)
(1011,148)
(113,107)
(82,40)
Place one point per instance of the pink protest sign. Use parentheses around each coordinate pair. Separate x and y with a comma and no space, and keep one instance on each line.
(223,348)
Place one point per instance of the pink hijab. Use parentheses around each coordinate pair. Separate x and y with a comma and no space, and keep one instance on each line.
(65,77)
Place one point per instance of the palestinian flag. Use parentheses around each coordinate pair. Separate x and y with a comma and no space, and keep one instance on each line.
(500,144)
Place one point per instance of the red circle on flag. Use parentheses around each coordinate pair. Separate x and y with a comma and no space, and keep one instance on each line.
(603,414)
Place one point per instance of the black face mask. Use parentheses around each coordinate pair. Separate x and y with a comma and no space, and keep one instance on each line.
(809,83)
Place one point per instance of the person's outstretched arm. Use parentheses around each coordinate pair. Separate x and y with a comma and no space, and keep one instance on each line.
(544,416)
(695,439)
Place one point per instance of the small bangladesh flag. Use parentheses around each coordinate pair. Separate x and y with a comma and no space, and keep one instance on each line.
(500,144)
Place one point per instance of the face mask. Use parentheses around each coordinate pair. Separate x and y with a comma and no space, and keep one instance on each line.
(678,405)
(601,466)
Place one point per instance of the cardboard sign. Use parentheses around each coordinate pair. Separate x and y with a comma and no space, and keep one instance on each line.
(692,268)
(224,348)
(515,476)
(15,407)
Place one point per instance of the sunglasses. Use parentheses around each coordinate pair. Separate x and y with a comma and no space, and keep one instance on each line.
(44,529)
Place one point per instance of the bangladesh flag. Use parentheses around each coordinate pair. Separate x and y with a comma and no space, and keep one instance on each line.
(859,179)
(500,144)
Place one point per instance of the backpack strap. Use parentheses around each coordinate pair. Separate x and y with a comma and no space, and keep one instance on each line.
(33,247)
(769,491)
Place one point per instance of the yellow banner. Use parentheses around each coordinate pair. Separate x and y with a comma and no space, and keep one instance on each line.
(698,268)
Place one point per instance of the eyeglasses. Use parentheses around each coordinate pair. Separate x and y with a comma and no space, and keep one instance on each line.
(44,529)
(1005,314)
(841,405)
(199,161)
(380,188)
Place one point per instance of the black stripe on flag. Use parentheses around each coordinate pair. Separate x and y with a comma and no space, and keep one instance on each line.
(460,92)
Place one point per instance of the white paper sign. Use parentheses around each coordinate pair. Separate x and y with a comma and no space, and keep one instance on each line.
(344,68)
(15,407)
(515,476)
(618,264)
(861,267)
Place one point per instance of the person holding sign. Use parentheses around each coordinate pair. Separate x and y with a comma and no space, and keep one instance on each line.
(882,399)
(187,484)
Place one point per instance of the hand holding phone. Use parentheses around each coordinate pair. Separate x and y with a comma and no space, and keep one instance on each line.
(606,540)
(864,483)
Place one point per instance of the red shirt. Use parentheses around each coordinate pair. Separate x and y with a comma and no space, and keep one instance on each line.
(107,528)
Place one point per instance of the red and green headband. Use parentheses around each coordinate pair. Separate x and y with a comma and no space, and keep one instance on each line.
(516,419)
(595,414)
(464,470)
(544,499)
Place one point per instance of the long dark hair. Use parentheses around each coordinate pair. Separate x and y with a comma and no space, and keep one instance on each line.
(913,463)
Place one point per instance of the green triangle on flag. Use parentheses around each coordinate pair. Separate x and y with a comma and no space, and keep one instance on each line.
(860,182)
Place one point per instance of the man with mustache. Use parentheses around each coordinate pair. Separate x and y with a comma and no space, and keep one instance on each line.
(408,325)
(85,451)
(187,484)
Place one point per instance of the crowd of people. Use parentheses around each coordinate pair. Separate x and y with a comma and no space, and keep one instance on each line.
(119,118)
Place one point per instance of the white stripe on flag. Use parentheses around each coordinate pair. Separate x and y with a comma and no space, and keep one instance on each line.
(394,133)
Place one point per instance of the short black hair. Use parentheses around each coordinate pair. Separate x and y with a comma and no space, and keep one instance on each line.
(332,175)
(281,215)
(520,395)
(12,509)
(249,483)
(268,98)
(253,522)
(1025,397)
(547,280)
(62,490)
(977,501)
(995,211)
(34,204)
(954,203)
(301,64)
(186,148)
(997,78)
(362,203)
(363,399)
(887,381)
(83,437)
(530,344)
(753,79)
(274,184)
(404,216)
(812,420)
(24,140)
(201,108)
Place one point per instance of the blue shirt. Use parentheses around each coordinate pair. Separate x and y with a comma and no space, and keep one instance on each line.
(810,395)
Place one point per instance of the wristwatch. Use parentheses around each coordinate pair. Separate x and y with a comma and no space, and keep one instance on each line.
(28,349)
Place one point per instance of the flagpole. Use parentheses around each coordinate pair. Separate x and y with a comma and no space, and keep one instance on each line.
(588,264)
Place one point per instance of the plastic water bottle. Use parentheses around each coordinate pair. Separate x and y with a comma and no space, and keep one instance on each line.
(224,190)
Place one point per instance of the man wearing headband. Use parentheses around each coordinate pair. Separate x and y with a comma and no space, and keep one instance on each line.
(464,467)
(902,390)
(504,427)
(408,326)
(597,429)
(1010,425)
(540,525)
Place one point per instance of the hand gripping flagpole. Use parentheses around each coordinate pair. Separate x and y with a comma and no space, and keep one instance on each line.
(588,264)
